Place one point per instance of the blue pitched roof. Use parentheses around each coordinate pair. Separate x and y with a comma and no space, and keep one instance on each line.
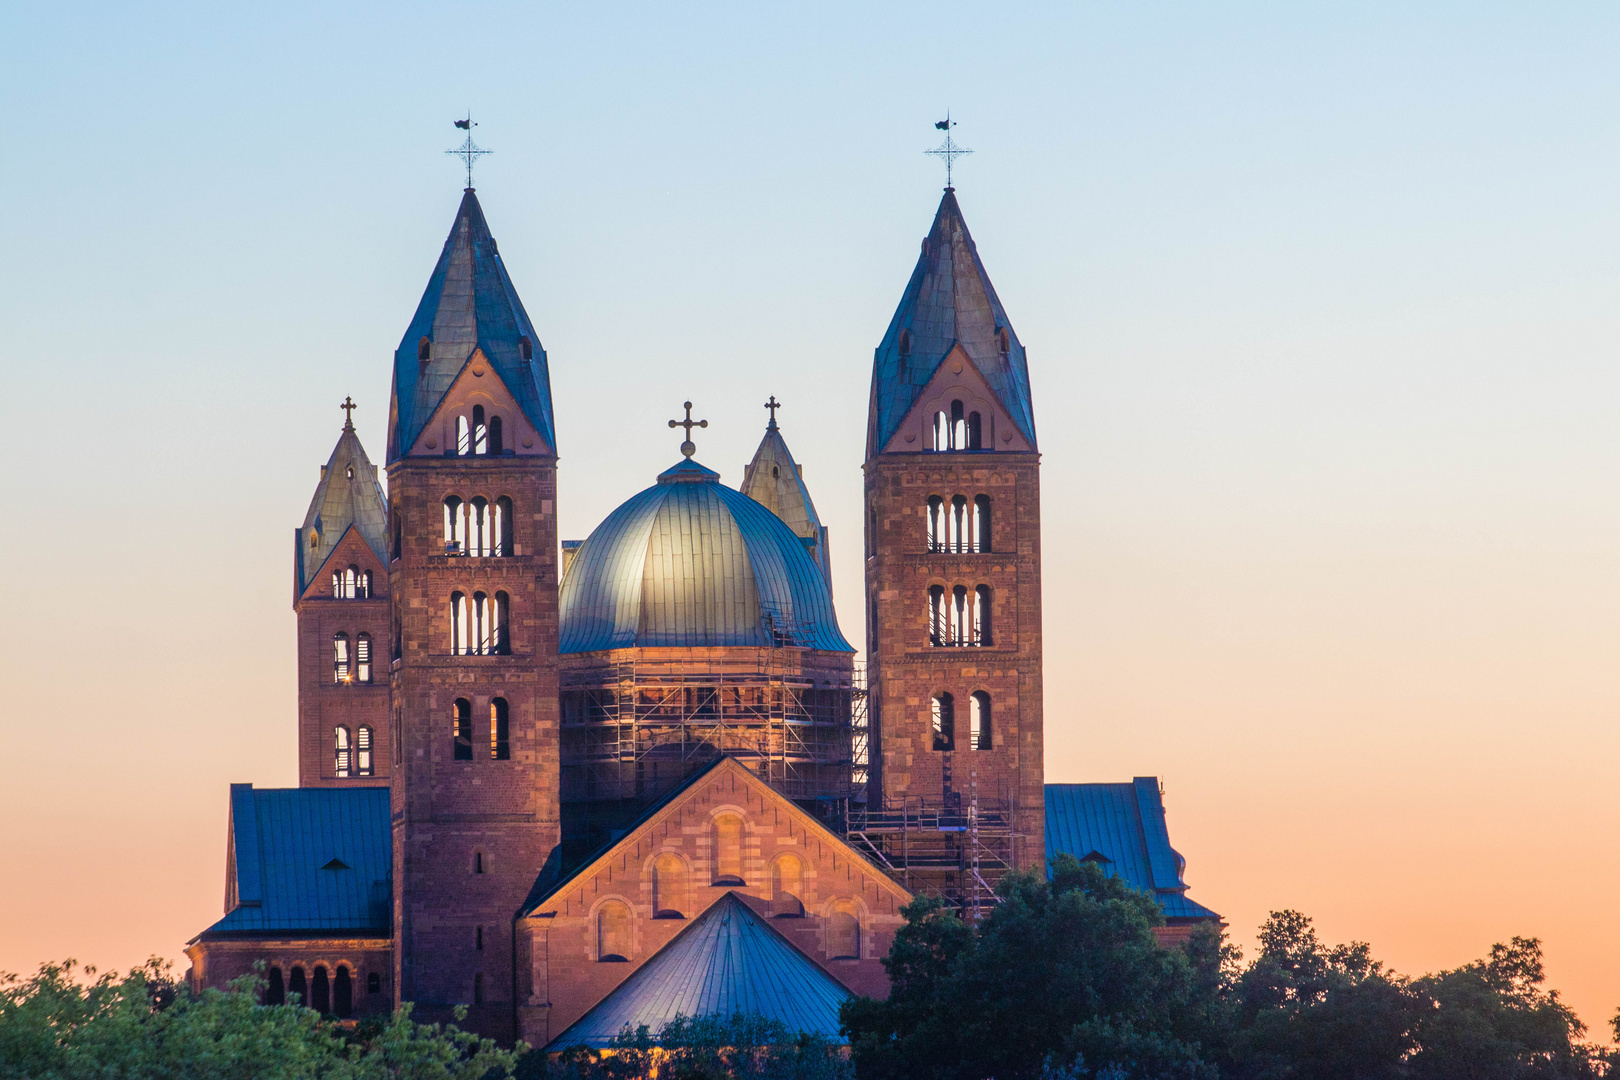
(948,301)
(470,303)
(1124,824)
(691,562)
(308,860)
(728,961)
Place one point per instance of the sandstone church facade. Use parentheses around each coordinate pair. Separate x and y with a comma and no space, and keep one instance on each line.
(578,785)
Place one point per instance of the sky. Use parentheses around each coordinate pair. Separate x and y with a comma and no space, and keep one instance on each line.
(1320,309)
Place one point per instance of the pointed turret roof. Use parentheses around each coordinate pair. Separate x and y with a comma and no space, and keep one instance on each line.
(774,480)
(949,301)
(347,496)
(469,304)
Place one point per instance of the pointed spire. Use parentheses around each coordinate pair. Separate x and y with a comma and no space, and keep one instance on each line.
(348,495)
(775,481)
(949,301)
(470,303)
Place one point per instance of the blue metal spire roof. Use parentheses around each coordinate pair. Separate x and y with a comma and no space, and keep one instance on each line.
(469,304)
(948,301)
(308,860)
(728,961)
(348,495)
(1121,826)
(691,562)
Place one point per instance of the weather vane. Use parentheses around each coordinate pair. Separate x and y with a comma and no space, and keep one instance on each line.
(470,151)
(688,447)
(949,150)
(773,405)
(348,408)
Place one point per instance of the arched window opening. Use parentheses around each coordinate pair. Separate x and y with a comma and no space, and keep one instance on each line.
(365,585)
(944,709)
(501,621)
(961,617)
(351,583)
(342,994)
(957,527)
(458,624)
(981,616)
(503,526)
(844,932)
(341,672)
(276,992)
(343,749)
(455,526)
(525,347)
(362,658)
(362,751)
(374,983)
(495,445)
(973,425)
(980,734)
(939,632)
(424,349)
(500,746)
(480,529)
(480,431)
(787,887)
(905,344)
(461,713)
(297,987)
(1003,340)
(942,431)
(478,862)
(320,992)
(669,886)
(936,523)
(726,835)
(981,522)
(482,610)
(958,426)
(613,933)
(463,437)
(478,988)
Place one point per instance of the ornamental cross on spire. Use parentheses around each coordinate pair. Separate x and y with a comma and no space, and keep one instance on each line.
(773,405)
(950,150)
(348,408)
(688,447)
(468,151)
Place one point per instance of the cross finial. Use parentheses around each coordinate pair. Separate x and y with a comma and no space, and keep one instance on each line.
(688,447)
(348,408)
(468,151)
(773,405)
(949,149)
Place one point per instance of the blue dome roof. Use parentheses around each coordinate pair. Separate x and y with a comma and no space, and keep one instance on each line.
(691,562)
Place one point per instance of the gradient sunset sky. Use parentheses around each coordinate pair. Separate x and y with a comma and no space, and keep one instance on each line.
(1321,309)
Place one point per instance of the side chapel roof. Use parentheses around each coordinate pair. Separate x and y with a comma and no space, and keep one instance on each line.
(949,301)
(470,303)
(349,494)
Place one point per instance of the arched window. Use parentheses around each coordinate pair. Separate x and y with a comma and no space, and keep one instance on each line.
(362,751)
(613,933)
(958,427)
(500,746)
(344,750)
(981,616)
(939,623)
(455,527)
(844,931)
(297,986)
(342,994)
(981,522)
(463,437)
(500,624)
(424,350)
(479,527)
(936,523)
(942,431)
(1003,340)
(458,624)
(787,887)
(362,657)
(973,442)
(944,718)
(320,992)
(482,631)
(495,446)
(961,617)
(461,734)
(905,344)
(480,431)
(726,836)
(669,886)
(276,992)
(341,672)
(364,591)
(503,526)
(478,862)
(525,347)
(980,735)
(957,535)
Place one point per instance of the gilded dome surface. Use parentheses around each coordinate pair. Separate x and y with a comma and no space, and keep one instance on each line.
(690,562)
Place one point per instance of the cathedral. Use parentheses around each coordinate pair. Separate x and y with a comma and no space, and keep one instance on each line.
(574,785)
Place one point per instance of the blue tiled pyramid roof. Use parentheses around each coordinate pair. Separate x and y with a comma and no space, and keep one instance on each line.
(728,961)
(308,860)
(1124,824)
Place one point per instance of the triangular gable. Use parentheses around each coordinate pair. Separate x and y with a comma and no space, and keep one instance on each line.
(957,379)
(729,960)
(350,550)
(478,383)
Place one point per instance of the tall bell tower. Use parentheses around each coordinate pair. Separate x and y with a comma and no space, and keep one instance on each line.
(472,488)
(953,552)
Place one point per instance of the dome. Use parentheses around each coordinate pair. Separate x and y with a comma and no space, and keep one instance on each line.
(690,562)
